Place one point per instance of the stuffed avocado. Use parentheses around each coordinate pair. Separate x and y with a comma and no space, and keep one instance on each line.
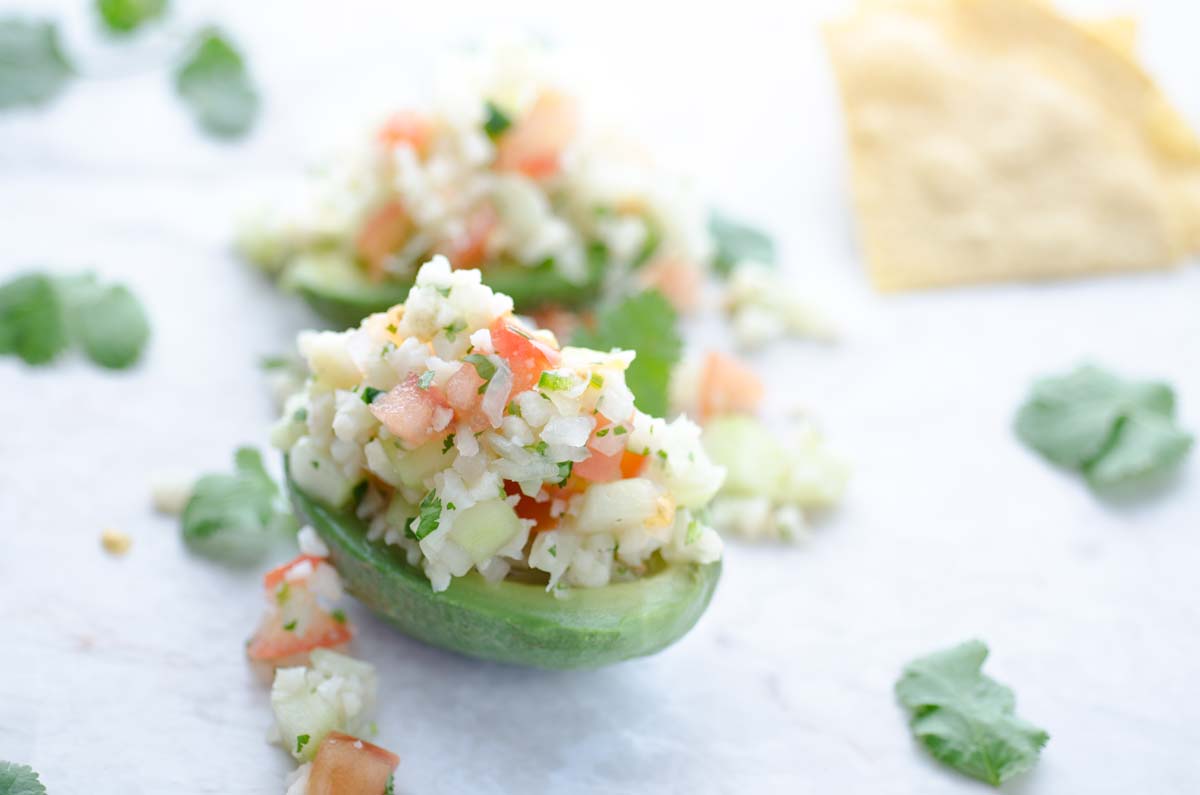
(493,493)
(499,173)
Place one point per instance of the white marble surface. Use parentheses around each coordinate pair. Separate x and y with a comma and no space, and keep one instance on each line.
(126,675)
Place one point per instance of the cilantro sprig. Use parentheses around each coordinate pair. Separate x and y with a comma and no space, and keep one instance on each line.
(42,315)
(736,242)
(965,719)
(19,780)
(214,83)
(1110,429)
(236,517)
(126,16)
(646,323)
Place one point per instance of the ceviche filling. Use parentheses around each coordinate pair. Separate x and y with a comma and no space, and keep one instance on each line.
(502,167)
(466,436)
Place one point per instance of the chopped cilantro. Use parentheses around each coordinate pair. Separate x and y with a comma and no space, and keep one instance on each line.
(553,550)
(301,415)
(646,323)
(370,393)
(564,471)
(596,380)
(451,507)
(693,532)
(662,454)
(541,447)
(301,741)
(428,515)
(315,464)
(281,595)
(443,291)
(513,410)
(453,329)
(484,366)
(425,380)
(496,121)
(645,451)
(360,491)
(391,327)
(619,430)
(391,786)
(339,615)
(290,626)
(602,432)
(447,443)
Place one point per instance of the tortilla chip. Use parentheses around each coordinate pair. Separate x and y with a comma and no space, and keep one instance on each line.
(996,140)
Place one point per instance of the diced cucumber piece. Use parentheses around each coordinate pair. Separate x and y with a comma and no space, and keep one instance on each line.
(484,528)
(299,711)
(318,474)
(413,466)
(754,462)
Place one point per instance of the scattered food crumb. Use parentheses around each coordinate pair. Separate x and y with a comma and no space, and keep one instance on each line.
(170,493)
(115,542)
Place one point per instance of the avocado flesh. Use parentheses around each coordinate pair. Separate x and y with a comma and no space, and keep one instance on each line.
(513,622)
(340,292)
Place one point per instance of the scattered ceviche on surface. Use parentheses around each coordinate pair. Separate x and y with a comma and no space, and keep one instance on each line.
(322,699)
(775,474)
(493,493)
(506,171)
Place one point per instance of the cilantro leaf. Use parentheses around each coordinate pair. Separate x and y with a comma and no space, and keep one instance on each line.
(966,720)
(496,121)
(235,517)
(737,242)
(213,81)
(31,319)
(110,324)
(429,515)
(1110,429)
(19,780)
(126,16)
(32,66)
(645,323)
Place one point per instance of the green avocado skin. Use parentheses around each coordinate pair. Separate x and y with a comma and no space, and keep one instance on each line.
(513,622)
(344,302)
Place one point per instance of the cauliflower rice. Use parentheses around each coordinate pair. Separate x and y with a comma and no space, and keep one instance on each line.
(473,442)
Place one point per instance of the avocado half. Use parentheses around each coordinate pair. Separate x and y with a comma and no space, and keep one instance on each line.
(340,292)
(513,622)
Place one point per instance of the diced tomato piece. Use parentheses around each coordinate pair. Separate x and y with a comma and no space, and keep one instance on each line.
(609,460)
(405,127)
(526,358)
(462,394)
(676,279)
(346,765)
(278,574)
(295,626)
(599,468)
(470,249)
(632,464)
(727,386)
(534,145)
(381,236)
(407,411)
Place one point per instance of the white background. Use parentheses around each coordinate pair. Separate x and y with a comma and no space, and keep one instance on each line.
(126,675)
